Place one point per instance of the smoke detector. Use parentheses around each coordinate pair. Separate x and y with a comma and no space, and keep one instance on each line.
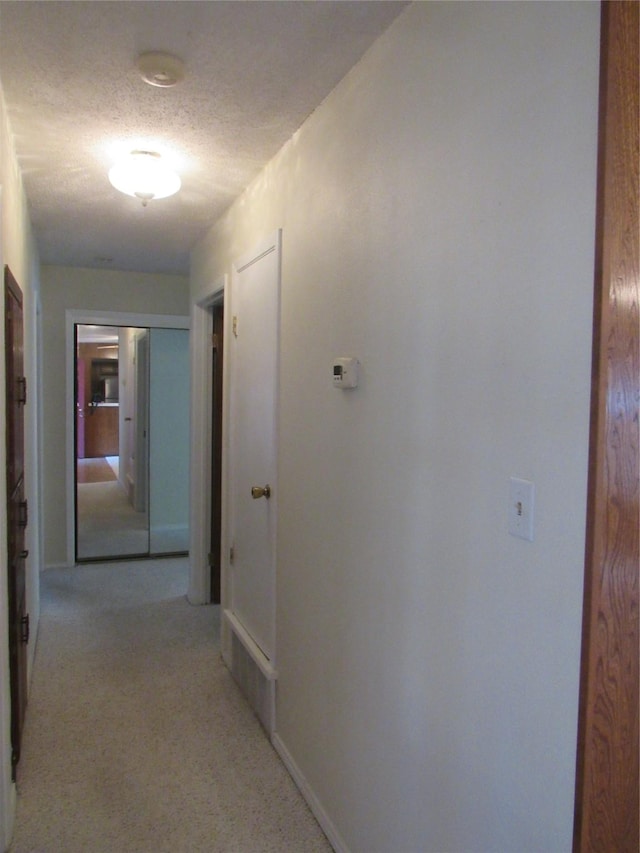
(160,69)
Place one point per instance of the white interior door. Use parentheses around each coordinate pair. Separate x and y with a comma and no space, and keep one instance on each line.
(255,298)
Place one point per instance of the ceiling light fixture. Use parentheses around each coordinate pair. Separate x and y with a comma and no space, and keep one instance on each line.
(144,175)
(160,69)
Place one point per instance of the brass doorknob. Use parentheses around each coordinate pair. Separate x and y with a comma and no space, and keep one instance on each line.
(260,492)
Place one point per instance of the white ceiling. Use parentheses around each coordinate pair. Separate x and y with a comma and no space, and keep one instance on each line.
(91,334)
(254,72)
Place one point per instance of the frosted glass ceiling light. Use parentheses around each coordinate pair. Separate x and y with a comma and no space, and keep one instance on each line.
(143,175)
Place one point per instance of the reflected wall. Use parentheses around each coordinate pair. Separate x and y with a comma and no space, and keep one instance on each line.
(168,441)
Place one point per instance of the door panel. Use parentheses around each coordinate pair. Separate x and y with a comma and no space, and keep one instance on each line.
(17,511)
(81,402)
(254,354)
(140,421)
(16,384)
(100,432)
(18,618)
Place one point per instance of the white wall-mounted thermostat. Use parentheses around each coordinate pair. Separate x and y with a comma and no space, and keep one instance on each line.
(345,372)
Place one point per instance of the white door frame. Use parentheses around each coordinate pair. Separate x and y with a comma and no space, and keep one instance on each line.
(80,316)
(200,461)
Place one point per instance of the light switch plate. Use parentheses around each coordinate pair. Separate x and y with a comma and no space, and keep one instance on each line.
(521,500)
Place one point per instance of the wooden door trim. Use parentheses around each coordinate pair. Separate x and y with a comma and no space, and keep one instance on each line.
(606,800)
(217,378)
(17,511)
(200,432)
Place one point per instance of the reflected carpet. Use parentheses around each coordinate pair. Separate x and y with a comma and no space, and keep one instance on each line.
(95,470)
(108,526)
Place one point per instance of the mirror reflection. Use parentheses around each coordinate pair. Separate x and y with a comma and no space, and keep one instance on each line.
(132,422)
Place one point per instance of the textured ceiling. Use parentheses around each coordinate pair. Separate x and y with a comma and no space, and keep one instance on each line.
(254,72)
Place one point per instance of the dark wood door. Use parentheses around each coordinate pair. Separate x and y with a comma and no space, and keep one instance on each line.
(81,404)
(17,511)
(97,424)
(216,453)
(100,431)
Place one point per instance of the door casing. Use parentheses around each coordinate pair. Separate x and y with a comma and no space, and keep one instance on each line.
(200,442)
(606,792)
(217,385)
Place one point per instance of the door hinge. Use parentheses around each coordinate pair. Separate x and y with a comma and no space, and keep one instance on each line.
(21,397)
(24,628)
(232,554)
(23,514)
(234,326)
(214,341)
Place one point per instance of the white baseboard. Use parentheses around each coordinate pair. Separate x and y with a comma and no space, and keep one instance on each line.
(313,802)
(170,528)
(7,825)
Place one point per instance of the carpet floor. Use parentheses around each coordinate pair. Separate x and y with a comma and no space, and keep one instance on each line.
(96,470)
(137,739)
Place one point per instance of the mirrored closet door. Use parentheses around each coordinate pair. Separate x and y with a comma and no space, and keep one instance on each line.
(132,442)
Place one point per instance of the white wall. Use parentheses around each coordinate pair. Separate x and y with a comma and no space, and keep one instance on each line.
(438,223)
(18,250)
(65,288)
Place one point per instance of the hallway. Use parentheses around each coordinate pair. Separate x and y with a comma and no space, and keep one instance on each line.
(137,738)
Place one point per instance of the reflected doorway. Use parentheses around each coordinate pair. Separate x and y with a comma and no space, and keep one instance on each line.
(131,442)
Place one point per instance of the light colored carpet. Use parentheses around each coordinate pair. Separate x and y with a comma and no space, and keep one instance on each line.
(95,470)
(137,739)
